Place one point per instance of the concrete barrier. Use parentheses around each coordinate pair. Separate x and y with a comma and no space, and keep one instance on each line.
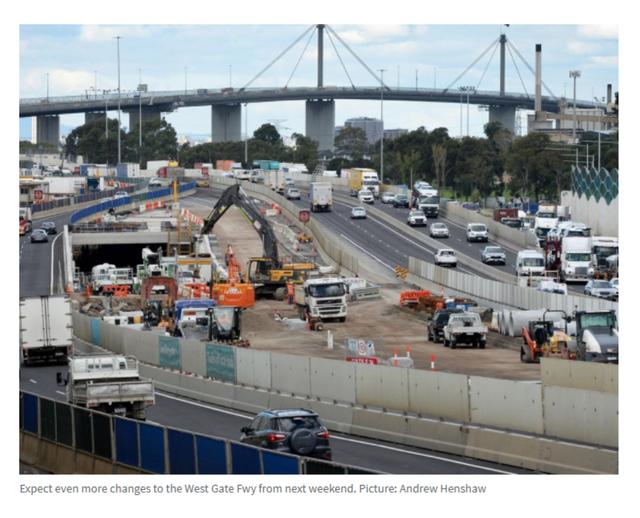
(333,380)
(253,368)
(382,386)
(290,374)
(439,394)
(335,416)
(599,377)
(193,358)
(380,425)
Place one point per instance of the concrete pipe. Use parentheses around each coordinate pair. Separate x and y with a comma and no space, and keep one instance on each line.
(520,319)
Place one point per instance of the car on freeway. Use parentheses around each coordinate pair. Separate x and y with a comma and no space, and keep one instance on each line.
(120,194)
(49,227)
(39,236)
(446,257)
(416,218)
(365,196)
(435,325)
(401,200)
(477,232)
(358,213)
(155,182)
(438,230)
(292,193)
(601,289)
(388,197)
(493,255)
(614,283)
(298,431)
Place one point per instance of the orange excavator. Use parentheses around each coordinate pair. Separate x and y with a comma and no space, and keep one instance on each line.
(234,292)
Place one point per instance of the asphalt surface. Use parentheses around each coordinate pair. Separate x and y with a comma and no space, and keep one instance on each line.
(204,418)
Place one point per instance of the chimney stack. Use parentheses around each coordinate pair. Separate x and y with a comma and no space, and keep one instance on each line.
(609,93)
(538,102)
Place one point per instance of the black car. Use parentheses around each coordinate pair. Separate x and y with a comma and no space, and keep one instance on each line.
(297,431)
(401,200)
(435,327)
(49,227)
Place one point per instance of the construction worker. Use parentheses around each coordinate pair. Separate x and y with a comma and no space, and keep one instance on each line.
(290,292)
(228,255)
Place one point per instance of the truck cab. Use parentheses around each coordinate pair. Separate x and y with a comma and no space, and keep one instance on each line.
(530,263)
(575,259)
(322,298)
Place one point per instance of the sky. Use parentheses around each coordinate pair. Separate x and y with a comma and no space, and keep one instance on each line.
(80,57)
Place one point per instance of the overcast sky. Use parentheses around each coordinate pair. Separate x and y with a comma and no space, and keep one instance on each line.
(158,55)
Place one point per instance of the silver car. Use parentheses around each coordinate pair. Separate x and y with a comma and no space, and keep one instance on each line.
(493,254)
(601,289)
(438,230)
(446,257)
(39,236)
(292,193)
(388,197)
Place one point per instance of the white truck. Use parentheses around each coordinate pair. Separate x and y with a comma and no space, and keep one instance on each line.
(530,263)
(108,383)
(322,298)
(321,194)
(465,328)
(46,331)
(546,219)
(276,180)
(362,178)
(575,259)
(105,275)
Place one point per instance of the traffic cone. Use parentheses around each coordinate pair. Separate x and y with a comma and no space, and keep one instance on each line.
(433,362)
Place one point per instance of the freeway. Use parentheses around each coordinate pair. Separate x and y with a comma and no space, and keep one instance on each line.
(204,418)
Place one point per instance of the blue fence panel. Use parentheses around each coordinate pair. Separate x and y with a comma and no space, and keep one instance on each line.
(245,460)
(151,448)
(182,455)
(127,442)
(278,464)
(212,456)
(30,413)
(221,362)
(96,337)
(169,352)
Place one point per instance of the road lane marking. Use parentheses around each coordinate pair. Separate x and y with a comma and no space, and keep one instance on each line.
(201,405)
(53,248)
(367,252)
(60,392)
(33,381)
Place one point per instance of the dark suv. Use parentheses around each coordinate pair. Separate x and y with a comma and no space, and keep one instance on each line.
(296,431)
(435,327)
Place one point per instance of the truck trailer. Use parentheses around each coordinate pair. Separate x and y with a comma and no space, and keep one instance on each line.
(46,331)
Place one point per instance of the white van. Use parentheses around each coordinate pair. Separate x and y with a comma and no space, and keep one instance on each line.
(530,262)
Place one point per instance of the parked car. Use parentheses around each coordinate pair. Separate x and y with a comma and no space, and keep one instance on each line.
(365,196)
(416,218)
(401,200)
(446,257)
(155,182)
(49,227)
(493,255)
(358,213)
(465,328)
(614,283)
(435,326)
(601,289)
(120,194)
(477,232)
(39,236)
(297,431)
(388,197)
(292,193)
(438,230)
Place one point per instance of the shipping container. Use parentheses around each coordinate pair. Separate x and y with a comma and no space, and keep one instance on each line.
(224,165)
(498,214)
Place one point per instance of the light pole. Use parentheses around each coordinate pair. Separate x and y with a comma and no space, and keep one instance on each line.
(140,122)
(246,135)
(468,90)
(574,74)
(461,90)
(118,38)
(185,80)
(382,71)
(230,67)
(106,126)
(47,86)
(599,129)
(95,82)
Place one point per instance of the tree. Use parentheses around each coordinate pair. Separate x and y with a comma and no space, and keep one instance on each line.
(439,153)
(351,142)
(305,151)
(89,141)
(159,141)
(268,133)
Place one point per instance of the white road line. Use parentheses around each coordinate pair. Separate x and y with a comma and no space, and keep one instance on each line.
(33,381)
(60,392)
(53,248)
(367,252)
(421,454)
(337,437)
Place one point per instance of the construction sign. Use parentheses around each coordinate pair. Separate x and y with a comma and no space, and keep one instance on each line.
(304,216)
(401,272)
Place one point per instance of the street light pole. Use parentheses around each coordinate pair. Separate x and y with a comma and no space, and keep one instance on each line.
(95,83)
(382,71)
(47,86)
(185,80)
(246,135)
(119,120)
(574,74)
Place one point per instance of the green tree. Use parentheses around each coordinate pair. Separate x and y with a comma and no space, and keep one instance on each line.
(305,151)
(159,141)
(268,133)
(351,142)
(89,141)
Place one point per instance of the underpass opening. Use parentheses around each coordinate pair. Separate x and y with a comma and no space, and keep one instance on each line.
(122,255)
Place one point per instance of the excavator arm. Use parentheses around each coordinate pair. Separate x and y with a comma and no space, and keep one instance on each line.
(235,195)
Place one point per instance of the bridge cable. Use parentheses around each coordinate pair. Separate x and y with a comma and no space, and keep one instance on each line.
(518,71)
(487,67)
(531,69)
(471,65)
(299,59)
(278,57)
(341,62)
(377,78)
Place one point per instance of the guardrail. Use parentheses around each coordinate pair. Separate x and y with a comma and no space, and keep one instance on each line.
(63,438)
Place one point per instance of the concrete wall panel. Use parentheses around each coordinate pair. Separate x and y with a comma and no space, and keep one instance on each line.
(143,345)
(333,379)
(193,359)
(250,399)
(334,416)
(112,337)
(437,435)
(581,415)
(580,375)
(382,386)
(380,425)
(253,368)
(508,404)
(290,373)
(81,326)
(439,394)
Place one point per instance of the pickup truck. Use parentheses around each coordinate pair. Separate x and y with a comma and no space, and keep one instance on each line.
(465,328)
(109,383)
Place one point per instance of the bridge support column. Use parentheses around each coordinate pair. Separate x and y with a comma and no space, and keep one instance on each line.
(320,122)
(47,129)
(148,114)
(505,115)
(93,116)
(226,123)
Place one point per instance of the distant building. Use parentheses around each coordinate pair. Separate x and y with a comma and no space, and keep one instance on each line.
(583,125)
(392,134)
(371,127)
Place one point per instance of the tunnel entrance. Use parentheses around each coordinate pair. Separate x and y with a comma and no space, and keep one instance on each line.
(122,256)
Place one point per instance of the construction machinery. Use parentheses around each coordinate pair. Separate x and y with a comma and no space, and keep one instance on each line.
(267,275)
(540,338)
(597,336)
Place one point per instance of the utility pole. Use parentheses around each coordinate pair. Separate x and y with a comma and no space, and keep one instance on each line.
(246,135)
(574,74)
(382,71)
(119,120)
